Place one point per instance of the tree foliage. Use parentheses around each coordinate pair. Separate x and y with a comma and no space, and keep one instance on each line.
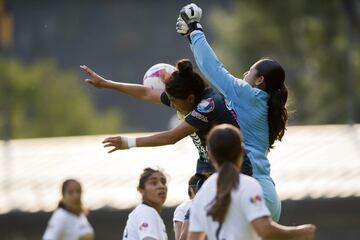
(309,38)
(42,100)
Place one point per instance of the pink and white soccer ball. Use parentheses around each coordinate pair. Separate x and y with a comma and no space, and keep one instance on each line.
(153,76)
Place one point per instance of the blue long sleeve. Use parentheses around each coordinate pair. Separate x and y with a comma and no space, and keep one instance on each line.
(215,71)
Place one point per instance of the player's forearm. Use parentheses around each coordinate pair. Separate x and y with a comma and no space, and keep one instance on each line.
(134,90)
(177,229)
(197,236)
(279,232)
(184,231)
(159,139)
(209,64)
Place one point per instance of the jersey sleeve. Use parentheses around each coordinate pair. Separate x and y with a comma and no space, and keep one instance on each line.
(148,226)
(55,227)
(197,217)
(203,114)
(165,99)
(179,213)
(253,202)
(211,67)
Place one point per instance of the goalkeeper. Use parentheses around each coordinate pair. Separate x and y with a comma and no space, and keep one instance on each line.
(258,100)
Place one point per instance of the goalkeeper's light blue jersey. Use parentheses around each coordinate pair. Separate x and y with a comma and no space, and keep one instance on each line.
(250,104)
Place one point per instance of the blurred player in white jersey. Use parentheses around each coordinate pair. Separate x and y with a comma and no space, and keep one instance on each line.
(68,222)
(144,222)
(231,205)
(181,213)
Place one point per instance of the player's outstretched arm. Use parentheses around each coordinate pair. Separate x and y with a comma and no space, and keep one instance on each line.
(184,230)
(197,236)
(206,59)
(268,230)
(159,139)
(135,90)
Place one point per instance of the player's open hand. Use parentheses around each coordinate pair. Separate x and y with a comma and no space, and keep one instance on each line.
(118,143)
(94,79)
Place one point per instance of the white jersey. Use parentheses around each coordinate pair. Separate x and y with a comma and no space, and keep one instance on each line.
(64,225)
(144,221)
(181,210)
(247,204)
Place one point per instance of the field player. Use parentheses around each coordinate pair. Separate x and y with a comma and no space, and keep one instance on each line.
(187,92)
(231,205)
(68,222)
(144,222)
(182,213)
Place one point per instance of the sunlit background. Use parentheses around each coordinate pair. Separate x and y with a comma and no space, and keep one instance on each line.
(52,123)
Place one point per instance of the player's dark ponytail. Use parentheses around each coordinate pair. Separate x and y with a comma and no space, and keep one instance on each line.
(277,115)
(226,152)
(228,180)
(185,81)
(274,77)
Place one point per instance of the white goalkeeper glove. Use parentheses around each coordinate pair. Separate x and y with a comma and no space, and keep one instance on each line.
(181,27)
(191,13)
(188,21)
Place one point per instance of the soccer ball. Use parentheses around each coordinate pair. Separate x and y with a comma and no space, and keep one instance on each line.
(153,77)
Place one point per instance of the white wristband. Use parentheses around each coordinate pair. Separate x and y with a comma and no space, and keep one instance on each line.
(131,141)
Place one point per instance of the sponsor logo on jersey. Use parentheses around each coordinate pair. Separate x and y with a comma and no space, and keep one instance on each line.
(206,105)
(256,199)
(199,116)
(143,226)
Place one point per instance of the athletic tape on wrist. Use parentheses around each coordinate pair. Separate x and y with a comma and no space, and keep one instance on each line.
(131,141)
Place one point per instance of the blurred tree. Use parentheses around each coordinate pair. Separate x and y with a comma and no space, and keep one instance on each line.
(308,38)
(46,101)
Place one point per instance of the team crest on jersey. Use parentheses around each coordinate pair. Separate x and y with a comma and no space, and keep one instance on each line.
(256,199)
(206,105)
(143,226)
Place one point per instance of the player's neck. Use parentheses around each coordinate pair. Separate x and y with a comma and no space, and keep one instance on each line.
(150,204)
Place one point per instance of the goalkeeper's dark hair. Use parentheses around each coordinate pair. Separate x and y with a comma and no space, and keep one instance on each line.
(274,77)
(185,81)
(225,146)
